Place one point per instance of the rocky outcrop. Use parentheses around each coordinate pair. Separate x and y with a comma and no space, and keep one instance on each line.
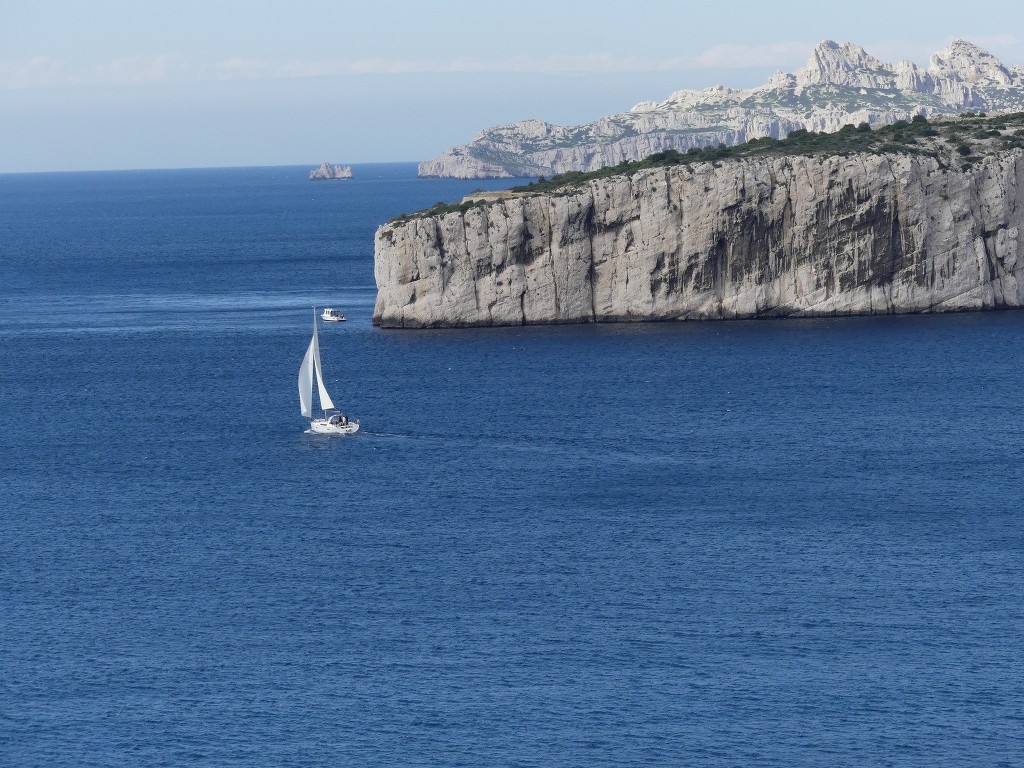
(328,171)
(768,236)
(840,84)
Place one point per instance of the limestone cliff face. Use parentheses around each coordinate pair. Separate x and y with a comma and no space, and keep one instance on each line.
(840,84)
(772,236)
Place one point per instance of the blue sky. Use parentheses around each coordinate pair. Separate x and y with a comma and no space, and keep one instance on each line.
(105,84)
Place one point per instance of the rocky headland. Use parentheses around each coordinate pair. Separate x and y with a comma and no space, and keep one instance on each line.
(328,171)
(840,84)
(914,217)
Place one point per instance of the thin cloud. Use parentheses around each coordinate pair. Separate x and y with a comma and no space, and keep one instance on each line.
(42,72)
(576,64)
(1006,47)
(36,72)
(388,67)
(241,68)
(135,70)
(998,42)
(728,56)
(595,63)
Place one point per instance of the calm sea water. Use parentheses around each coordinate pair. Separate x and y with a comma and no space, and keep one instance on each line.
(778,543)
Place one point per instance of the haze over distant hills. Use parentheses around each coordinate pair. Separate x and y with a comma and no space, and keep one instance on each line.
(840,84)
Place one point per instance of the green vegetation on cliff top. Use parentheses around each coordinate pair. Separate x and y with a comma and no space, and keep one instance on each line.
(953,143)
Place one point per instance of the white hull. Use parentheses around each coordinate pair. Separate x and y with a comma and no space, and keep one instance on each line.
(323,427)
(332,316)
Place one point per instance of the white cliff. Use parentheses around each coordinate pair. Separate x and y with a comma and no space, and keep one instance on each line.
(763,236)
(840,84)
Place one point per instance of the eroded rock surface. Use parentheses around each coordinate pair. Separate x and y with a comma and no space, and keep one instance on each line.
(771,236)
(328,171)
(840,84)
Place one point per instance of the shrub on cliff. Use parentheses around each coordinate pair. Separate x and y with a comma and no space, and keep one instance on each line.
(916,137)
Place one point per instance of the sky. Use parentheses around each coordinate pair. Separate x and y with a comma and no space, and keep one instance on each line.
(119,84)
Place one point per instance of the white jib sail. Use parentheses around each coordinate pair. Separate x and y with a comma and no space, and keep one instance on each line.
(325,399)
(306,381)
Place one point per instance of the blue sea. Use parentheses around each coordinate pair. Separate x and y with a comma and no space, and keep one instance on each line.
(766,543)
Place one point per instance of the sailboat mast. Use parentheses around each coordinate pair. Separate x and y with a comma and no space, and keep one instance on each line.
(316,355)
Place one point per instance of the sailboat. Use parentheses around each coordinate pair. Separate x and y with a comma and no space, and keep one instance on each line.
(335,423)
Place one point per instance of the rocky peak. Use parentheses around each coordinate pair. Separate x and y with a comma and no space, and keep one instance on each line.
(840,84)
(910,77)
(781,81)
(966,62)
(328,171)
(527,129)
(844,64)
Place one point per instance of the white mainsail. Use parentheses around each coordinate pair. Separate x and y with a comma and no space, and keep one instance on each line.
(325,399)
(306,382)
(311,364)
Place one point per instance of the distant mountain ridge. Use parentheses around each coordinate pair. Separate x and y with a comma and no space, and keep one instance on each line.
(840,84)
